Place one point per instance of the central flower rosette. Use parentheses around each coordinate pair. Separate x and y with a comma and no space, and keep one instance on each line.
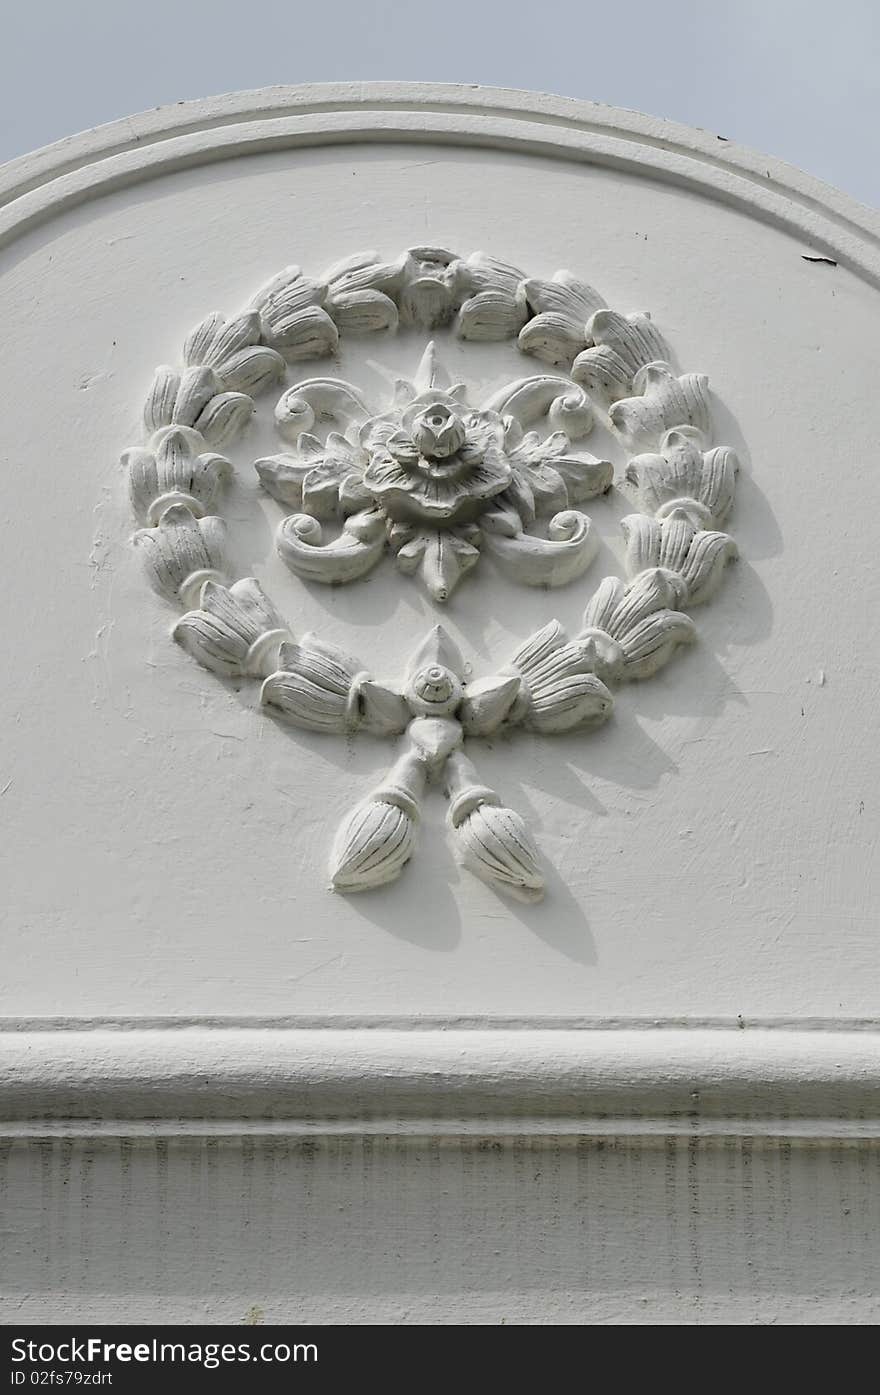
(436,463)
(436,478)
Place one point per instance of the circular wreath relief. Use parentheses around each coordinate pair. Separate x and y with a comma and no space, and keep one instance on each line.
(434,479)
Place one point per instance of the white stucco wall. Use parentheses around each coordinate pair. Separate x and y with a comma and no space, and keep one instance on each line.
(712,851)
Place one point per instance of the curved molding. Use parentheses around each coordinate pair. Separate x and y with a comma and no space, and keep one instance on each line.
(80,168)
(120,1078)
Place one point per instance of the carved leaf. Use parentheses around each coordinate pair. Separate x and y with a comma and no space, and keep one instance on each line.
(483,272)
(553,561)
(285,297)
(651,643)
(318,399)
(321,479)
(528,400)
(442,556)
(556,475)
(299,541)
(282,476)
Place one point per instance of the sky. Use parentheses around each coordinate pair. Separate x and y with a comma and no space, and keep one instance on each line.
(793,78)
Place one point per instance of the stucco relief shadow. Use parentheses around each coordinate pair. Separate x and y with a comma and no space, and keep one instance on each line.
(557,919)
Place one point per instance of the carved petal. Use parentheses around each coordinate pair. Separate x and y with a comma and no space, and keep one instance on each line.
(173,472)
(487,703)
(215,340)
(491,315)
(252,370)
(438,647)
(552,561)
(235,631)
(355,552)
(568,701)
(705,562)
(633,628)
(683,475)
(561,690)
(182,552)
(365,271)
(308,333)
(495,844)
(651,643)
(282,476)
(603,373)
(674,543)
(376,841)
(224,417)
(362,312)
(197,387)
(383,710)
(562,308)
(159,406)
(372,847)
(661,401)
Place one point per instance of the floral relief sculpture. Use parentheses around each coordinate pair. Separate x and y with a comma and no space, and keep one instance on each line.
(435,480)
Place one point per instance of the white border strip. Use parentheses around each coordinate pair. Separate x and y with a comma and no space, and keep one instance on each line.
(36,187)
(765,1081)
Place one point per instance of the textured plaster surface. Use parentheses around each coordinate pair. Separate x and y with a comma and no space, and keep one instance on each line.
(714,846)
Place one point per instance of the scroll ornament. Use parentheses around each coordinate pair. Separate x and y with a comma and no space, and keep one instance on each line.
(435,480)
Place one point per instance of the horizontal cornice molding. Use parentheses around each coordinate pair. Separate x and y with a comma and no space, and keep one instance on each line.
(36,187)
(123,1078)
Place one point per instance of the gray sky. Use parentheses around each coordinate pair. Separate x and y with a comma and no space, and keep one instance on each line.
(795,78)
